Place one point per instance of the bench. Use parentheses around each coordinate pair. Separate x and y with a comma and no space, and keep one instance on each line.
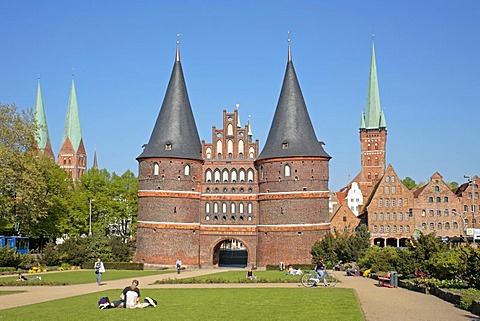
(384,280)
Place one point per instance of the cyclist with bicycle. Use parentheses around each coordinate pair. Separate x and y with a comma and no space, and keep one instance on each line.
(320,268)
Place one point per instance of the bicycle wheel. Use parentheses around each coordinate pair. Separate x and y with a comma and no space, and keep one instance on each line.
(309,279)
(332,279)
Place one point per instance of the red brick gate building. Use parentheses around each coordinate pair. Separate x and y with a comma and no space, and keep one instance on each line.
(222,202)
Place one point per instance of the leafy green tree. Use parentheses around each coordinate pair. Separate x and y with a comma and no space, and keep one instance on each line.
(423,249)
(453,185)
(448,265)
(471,263)
(50,255)
(409,183)
(23,201)
(380,259)
(73,251)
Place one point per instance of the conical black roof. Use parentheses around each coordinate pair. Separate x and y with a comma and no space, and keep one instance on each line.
(291,133)
(175,133)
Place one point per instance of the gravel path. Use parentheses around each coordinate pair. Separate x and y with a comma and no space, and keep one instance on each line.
(378,303)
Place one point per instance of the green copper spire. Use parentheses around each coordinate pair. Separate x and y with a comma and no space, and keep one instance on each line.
(43,137)
(72,129)
(362,121)
(373,112)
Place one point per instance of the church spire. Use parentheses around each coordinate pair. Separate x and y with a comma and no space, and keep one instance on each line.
(291,132)
(373,113)
(175,133)
(95,162)
(43,136)
(72,129)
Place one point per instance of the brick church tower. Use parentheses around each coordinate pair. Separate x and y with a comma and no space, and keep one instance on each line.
(293,182)
(72,156)
(43,136)
(373,135)
(170,170)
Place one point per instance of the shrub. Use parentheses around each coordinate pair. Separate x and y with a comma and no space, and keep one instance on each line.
(50,255)
(115,265)
(73,251)
(8,257)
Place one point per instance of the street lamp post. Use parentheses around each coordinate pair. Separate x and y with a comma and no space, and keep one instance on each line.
(471,180)
(90,218)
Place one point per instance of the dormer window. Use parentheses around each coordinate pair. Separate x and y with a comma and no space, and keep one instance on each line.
(284,145)
(168,146)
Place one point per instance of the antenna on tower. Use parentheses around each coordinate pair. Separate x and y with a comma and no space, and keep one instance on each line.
(178,47)
(289,50)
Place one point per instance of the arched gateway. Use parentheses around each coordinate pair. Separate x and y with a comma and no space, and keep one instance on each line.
(230,253)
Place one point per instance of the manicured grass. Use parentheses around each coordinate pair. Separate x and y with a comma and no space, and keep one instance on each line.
(205,304)
(9,292)
(77,277)
(237,277)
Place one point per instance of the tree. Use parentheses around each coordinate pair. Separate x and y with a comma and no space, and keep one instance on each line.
(22,190)
(409,183)
(452,185)
(425,248)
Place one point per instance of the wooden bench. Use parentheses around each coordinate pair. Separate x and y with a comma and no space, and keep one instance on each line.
(384,280)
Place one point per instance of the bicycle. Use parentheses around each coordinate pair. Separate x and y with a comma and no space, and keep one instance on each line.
(313,278)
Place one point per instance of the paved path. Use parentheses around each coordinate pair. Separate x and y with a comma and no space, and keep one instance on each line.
(378,303)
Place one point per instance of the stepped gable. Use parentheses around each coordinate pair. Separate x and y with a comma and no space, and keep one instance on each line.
(175,133)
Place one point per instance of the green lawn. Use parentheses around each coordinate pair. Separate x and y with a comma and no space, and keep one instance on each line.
(9,292)
(238,277)
(205,304)
(77,277)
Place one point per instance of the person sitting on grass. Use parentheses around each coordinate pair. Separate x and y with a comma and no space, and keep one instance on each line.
(131,299)
(21,277)
(292,271)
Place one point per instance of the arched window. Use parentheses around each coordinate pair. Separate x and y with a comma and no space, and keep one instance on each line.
(400,202)
(445,199)
(430,199)
(240,147)
(225,176)
(234,176)
(230,148)
(208,176)
(394,229)
(186,170)
(394,189)
(217,175)
(439,226)
(455,225)
(250,175)
(240,208)
(251,152)
(387,190)
(369,147)
(207,207)
(209,152)
(424,226)
(381,228)
(437,189)
(219,148)
(393,202)
(407,228)
(156,169)
(447,225)
(400,228)
(369,162)
(380,202)
(376,175)
(376,146)
(224,207)
(375,229)
(215,207)
(369,176)
(250,208)
(432,226)
(392,179)
(262,172)
(241,175)
(438,199)
(230,130)
(387,202)
(287,170)
(232,208)
(376,161)
(400,216)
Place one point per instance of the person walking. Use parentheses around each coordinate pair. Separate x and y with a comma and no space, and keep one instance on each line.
(99,269)
(179,265)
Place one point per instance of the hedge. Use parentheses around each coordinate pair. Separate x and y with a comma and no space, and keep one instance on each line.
(115,265)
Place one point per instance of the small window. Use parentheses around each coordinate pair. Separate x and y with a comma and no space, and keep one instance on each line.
(438,199)
(432,226)
(287,171)
(407,228)
(386,190)
(400,202)
(447,225)
(439,226)
(437,189)
(430,199)
(284,145)
(424,226)
(168,146)
(186,170)
(156,169)
(455,225)
(392,179)
(445,199)
(387,179)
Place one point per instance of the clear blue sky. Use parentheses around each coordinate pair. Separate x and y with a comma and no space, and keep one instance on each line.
(235,52)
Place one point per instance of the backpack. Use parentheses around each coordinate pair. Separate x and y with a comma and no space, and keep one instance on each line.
(104,303)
